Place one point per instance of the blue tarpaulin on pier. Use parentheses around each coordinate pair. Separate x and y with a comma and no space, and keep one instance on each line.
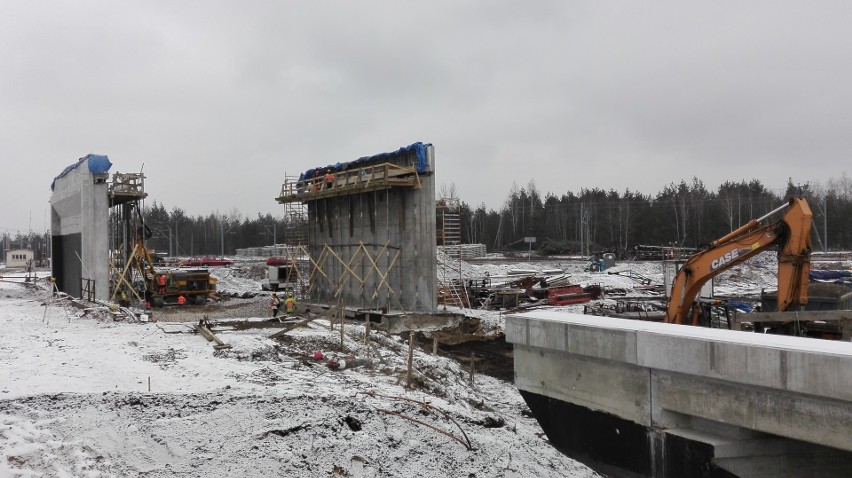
(98,163)
(418,148)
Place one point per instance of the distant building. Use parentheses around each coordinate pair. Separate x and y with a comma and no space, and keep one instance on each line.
(18,257)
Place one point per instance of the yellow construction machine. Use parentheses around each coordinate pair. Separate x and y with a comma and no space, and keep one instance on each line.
(160,286)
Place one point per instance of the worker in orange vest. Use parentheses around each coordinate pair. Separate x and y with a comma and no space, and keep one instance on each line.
(329,179)
(161,282)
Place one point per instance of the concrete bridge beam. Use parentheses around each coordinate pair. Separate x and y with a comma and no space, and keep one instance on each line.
(684,399)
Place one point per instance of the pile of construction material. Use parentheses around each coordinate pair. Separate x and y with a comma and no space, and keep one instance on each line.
(269,251)
(464,251)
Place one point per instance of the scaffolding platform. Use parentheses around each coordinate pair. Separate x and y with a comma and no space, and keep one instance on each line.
(126,187)
(353,181)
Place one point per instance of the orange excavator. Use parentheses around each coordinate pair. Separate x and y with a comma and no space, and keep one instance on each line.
(791,234)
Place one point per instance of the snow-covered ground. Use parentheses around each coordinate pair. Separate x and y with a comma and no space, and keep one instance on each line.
(84,395)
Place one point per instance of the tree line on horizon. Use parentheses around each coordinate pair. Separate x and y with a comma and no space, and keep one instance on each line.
(685,214)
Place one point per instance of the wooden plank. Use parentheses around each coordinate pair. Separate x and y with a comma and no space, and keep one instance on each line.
(210,336)
(290,326)
(349,182)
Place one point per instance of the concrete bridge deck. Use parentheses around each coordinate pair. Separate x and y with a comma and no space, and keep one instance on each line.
(635,398)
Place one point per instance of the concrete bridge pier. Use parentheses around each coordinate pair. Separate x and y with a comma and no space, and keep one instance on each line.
(79,207)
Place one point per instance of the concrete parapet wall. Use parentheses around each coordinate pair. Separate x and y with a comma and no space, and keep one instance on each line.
(786,386)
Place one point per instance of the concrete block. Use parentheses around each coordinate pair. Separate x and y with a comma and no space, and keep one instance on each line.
(610,344)
(673,353)
(820,374)
(516,330)
(620,389)
(747,364)
(547,334)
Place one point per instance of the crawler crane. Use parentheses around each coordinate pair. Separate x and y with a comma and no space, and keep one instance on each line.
(791,235)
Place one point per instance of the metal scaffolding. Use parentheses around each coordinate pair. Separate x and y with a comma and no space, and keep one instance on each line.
(451,290)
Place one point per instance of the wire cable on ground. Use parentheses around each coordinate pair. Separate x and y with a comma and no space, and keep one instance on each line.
(427,407)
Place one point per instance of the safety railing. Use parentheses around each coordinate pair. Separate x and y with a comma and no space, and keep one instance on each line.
(87,289)
(127,183)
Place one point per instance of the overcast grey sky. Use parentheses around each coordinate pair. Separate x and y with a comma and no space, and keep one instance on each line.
(220,99)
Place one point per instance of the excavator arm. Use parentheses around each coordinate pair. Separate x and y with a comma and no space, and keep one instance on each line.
(794,257)
(791,234)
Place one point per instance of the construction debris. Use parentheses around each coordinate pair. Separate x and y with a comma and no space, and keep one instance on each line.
(520,289)
(203,330)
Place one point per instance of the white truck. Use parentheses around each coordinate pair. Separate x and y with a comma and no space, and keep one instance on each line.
(281,274)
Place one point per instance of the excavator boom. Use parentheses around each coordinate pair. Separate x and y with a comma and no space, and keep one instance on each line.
(791,234)
(794,257)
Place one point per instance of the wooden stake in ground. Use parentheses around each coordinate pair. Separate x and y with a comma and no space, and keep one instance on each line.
(341,329)
(367,331)
(434,346)
(472,360)
(410,358)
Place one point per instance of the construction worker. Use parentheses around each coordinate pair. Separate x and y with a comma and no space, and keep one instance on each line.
(329,179)
(181,300)
(274,304)
(123,300)
(290,303)
(161,283)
